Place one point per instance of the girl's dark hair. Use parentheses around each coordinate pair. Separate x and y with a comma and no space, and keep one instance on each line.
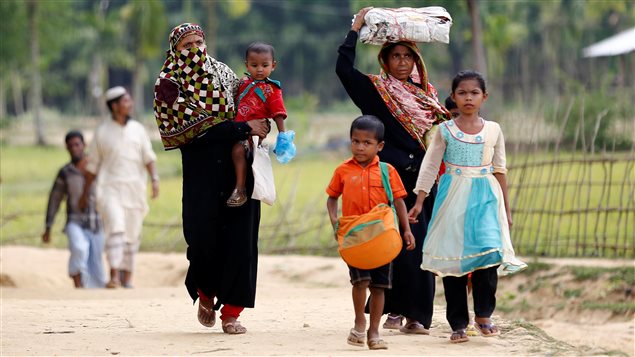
(260,47)
(73,134)
(468,74)
(369,123)
(449,103)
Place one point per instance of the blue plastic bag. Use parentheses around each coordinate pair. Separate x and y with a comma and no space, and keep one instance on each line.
(285,148)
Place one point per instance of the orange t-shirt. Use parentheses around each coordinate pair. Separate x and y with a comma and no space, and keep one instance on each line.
(361,187)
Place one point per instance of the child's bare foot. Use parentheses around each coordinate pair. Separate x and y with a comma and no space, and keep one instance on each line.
(237,198)
(485,326)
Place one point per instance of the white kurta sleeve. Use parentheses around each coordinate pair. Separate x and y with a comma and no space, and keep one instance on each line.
(94,157)
(430,164)
(499,161)
(147,152)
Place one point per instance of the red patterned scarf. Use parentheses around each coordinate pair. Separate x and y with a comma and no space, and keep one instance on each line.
(415,107)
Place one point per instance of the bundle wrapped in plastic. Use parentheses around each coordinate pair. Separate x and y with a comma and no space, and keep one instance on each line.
(424,24)
(285,148)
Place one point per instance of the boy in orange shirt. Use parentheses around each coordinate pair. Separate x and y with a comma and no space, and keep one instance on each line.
(358,181)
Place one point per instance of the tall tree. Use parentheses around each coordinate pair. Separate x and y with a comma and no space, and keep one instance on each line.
(14,55)
(144,21)
(35,102)
(477,38)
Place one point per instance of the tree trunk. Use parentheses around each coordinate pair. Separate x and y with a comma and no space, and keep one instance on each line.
(36,94)
(96,77)
(456,56)
(212,27)
(16,93)
(3,102)
(95,86)
(477,38)
(138,78)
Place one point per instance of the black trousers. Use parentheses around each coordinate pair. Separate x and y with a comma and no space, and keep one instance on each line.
(484,283)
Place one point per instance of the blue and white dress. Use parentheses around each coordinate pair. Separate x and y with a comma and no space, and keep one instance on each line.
(468,229)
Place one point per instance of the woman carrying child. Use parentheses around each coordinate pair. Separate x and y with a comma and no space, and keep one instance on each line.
(469,227)
(403,99)
(193,108)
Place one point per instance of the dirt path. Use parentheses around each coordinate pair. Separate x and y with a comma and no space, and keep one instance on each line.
(303,308)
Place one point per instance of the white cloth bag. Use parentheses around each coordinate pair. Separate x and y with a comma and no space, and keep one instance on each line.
(424,24)
(264,185)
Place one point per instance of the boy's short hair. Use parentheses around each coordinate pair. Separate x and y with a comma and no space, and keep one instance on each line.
(369,123)
(73,134)
(260,47)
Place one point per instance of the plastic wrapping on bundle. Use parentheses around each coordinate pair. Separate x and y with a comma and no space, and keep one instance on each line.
(424,24)
(285,148)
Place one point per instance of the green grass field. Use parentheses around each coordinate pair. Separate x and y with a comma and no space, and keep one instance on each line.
(298,222)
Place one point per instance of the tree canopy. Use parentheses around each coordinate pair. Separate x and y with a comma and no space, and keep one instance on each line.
(531,47)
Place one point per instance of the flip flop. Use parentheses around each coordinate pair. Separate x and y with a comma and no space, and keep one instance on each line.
(377,344)
(234,328)
(462,336)
(206,315)
(472,331)
(486,328)
(237,198)
(393,322)
(356,338)
(414,327)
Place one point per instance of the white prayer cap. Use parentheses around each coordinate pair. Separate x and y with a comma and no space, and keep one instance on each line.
(115,92)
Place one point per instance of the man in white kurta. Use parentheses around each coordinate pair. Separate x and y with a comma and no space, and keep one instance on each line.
(119,156)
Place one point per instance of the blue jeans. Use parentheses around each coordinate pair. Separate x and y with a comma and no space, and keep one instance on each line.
(86,255)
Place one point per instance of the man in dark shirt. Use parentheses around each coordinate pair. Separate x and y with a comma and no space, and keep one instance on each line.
(83,229)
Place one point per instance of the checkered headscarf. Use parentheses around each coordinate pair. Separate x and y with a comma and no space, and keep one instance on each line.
(181,31)
(205,87)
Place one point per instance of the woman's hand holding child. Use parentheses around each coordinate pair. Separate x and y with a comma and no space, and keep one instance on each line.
(409,240)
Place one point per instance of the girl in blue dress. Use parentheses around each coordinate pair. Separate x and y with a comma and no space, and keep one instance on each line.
(469,227)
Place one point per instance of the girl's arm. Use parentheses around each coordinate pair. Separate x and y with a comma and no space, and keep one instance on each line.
(428,173)
(402,214)
(499,163)
(502,181)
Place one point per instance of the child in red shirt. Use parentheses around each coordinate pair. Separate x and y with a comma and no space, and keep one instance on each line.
(258,97)
(358,181)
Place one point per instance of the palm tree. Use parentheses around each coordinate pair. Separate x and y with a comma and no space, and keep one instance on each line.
(145,22)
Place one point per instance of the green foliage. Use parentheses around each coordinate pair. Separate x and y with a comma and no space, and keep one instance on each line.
(533,47)
(535,267)
(141,20)
(591,125)
(625,275)
(572,293)
(617,308)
